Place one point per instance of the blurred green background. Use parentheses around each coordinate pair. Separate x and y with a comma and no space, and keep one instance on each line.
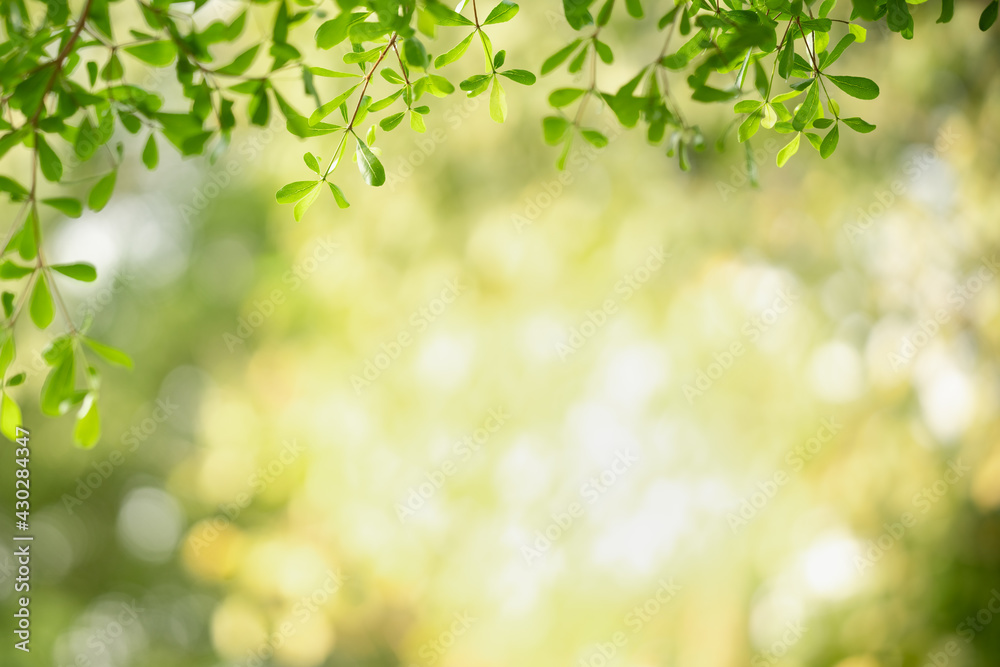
(487,417)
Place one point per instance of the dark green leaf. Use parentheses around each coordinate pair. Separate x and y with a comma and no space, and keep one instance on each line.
(78,271)
(101,192)
(554,128)
(559,56)
(158,54)
(369,166)
(989,16)
(856,86)
(42,309)
(858,125)
(67,205)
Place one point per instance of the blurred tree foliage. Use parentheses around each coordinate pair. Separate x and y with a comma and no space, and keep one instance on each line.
(65,88)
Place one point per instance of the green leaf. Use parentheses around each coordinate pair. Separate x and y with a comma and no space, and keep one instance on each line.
(385,101)
(417,122)
(332,74)
(498,102)
(858,125)
(947,11)
(856,86)
(110,354)
(838,50)
(454,54)
(331,106)
(7,352)
(28,245)
(294,191)
(749,126)
(502,13)
(369,166)
(747,106)
(87,431)
(158,54)
(604,52)
(17,191)
(989,16)
(81,271)
(830,142)
(440,86)
(634,8)
(12,271)
(559,56)
(241,63)
(10,417)
(789,149)
(564,96)
(311,162)
(50,163)
(769,117)
(859,32)
(521,76)
(334,31)
(84,144)
(150,154)
(306,201)
(554,129)
(415,54)
(709,94)
(808,108)
(476,84)
(390,122)
(815,140)
(595,138)
(42,310)
(16,380)
(786,96)
(58,386)
(391,76)
(338,195)
(101,192)
(446,17)
(69,206)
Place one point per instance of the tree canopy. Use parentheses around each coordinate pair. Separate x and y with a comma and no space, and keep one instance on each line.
(76,81)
